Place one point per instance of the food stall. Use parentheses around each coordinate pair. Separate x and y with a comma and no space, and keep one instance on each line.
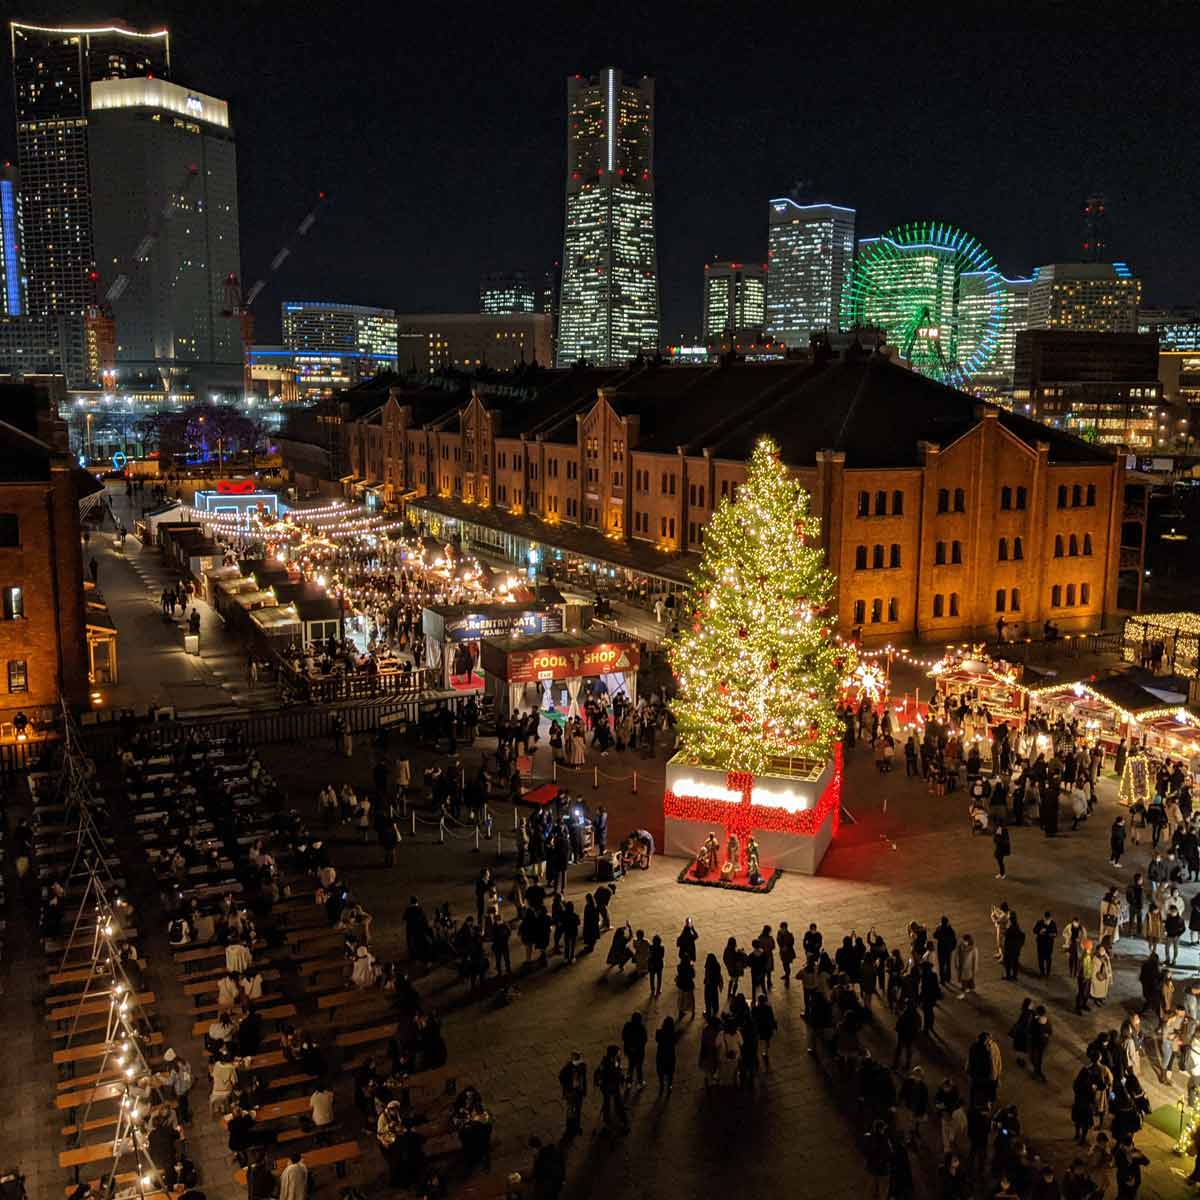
(453,633)
(555,671)
(993,683)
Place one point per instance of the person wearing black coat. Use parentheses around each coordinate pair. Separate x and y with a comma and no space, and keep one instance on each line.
(908,1025)
(1014,940)
(664,1055)
(1001,848)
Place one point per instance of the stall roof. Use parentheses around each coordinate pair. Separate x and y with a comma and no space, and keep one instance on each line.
(449,612)
(313,602)
(272,620)
(263,598)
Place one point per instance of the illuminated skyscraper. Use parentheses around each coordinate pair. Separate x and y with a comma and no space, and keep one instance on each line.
(506,293)
(811,249)
(333,346)
(13,299)
(735,297)
(53,69)
(1090,297)
(993,377)
(609,300)
(1095,229)
(165,219)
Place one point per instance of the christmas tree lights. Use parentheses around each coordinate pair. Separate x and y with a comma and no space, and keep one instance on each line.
(759,669)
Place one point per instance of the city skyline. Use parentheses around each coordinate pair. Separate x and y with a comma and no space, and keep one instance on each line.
(716,164)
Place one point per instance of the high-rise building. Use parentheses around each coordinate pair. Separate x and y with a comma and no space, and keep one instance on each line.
(1095,229)
(13,290)
(165,215)
(432,342)
(609,303)
(506,293)
(334,346)
(1089,297)
(53,70)
(735,297)
(811,250)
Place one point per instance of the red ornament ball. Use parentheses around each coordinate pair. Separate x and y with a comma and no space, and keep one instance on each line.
(743,632)
(773,665)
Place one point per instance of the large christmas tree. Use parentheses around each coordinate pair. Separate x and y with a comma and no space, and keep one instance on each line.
(758,668)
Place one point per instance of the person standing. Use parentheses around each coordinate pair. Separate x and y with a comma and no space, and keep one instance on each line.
(908,1025)
(685,986)
(610,1080)
(654,966)
(1045,934)
(945,939)
(293,1182)
(685,943)
(1040,1032)
(569,924)
(664,1055)
(785,940)
(966,963)
(573,1081)
(713,985)
(1135,900)
(634,1038)
(1116,841)
(1083,978)
(1014,940)
(1001,848)
(765,1025)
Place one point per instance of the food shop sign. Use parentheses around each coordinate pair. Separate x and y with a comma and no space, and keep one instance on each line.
(526,666)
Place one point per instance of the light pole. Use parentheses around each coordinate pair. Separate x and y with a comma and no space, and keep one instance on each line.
(89,435)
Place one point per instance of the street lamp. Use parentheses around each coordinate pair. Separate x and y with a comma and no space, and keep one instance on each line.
(89,435)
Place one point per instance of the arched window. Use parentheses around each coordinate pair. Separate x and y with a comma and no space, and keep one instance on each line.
(1056,596)
(1021,497)
(1058,545)
(956,552)
(860,611)
(1085,593)
(864,504)
(893,609)
(954,604)
(894,560)
(939,554)
(860,558)
(1018,549)
(960,500)
(1062,495)
(881,504)
(1006,497)
(1001,596)
(1076,496)
(1091,495)
(1070,595)
(939,605)
(897,504)
(1002,550)
(1073,547)
(877,558)
(1015,601)
(876,611)
(1087,545)
(943,500)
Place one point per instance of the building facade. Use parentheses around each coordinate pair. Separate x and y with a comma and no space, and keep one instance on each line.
(334,346)
(735,297)
(1102,386)
(53,70)
(14,288)
(43,627)
(1088,297)
(508,293)
(994,377)
(810,252)
(940,514)
(609,312)
(433,342)
(165,215)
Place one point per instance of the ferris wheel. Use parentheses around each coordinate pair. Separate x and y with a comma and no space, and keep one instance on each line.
(935,292)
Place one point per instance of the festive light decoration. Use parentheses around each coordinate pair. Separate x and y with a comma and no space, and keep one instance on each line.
(758,667)
(935,291)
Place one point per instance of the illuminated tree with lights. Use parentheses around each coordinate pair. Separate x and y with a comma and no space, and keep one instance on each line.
(759,671)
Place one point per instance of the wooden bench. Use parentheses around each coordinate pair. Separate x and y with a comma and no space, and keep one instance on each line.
(69,1131)
(280,1109)
(185,958)
(211,1011)
(203,987)
(90,1008)
(76,1054)
(364,1037)
(353,996)
(297,938)
(91,1095)
(337,1155)
(278,1012)
(110,1074)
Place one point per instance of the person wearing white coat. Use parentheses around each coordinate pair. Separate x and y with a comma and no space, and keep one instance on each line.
(293,1183)
(966,963)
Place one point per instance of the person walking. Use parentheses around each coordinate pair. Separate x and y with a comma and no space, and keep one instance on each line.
(610,1082)
(1001,848)
(879,1154)
(573,1080)
(1045,934)
(665,1055)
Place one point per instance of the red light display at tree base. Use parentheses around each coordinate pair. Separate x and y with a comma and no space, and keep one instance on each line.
(236,487)
(746,816)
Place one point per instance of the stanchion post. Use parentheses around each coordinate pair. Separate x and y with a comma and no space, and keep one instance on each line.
(499,845)
(595,779)
(476,839)
(414,817)
(441,830)
(554,770)
(404,799)
(516,819)
(635,783)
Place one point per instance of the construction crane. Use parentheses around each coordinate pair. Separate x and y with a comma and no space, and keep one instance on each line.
(142,252)
(238,304)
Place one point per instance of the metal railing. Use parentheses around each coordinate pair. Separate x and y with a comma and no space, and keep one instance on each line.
(355,685)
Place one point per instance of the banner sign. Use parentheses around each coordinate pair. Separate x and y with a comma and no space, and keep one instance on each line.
(473,626)
(527,666)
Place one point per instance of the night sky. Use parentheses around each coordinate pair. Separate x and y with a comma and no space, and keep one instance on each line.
(438,131)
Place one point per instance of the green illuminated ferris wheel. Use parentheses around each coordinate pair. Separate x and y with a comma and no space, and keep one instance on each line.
(935,292)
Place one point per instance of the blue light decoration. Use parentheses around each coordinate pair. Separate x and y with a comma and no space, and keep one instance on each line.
(12,272)
(120,460)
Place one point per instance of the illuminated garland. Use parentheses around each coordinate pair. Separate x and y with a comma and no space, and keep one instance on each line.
(759,669)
